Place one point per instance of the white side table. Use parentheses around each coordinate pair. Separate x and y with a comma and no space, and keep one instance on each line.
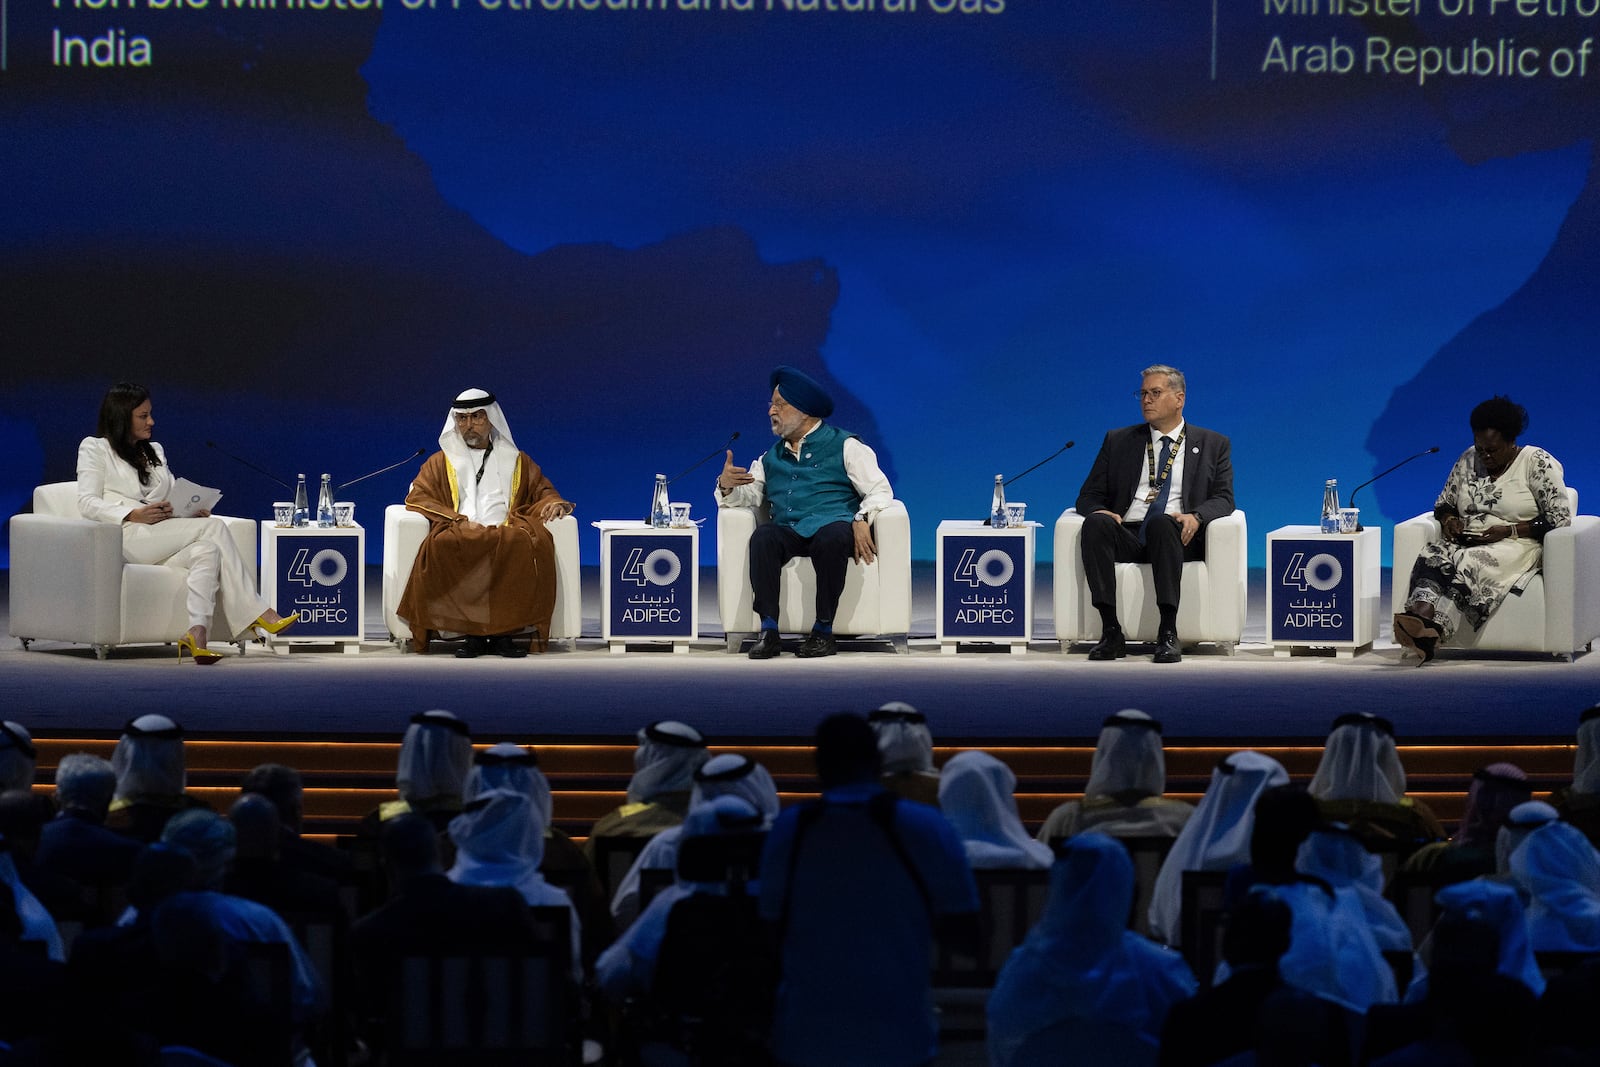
(985,591)
(649,584)
(317,571)
(1322,589)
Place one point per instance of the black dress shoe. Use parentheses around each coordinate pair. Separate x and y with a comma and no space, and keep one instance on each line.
(1112,646)
(767,645)
(473,647)
(816,645)
(1167,647)
(504,645)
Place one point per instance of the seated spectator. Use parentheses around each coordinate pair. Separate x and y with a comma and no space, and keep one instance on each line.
(1499,906)
(1560,871)
(977,793)
(1471,1014)
(428,913)
(1081,962)
(209,838)
(17,756)
(37,923)
(1217,837)
(729,774)
(1332,951)
(1522,820)
(23,815)
(627,967)
(32,986)
(148,762)
(1579,803)
(1222,1022)
(1127,778)
(1494,791)
(259,873)
(76,844)
(1333,855)
(435,757)
(858,884)
(1361,784)
(664,763)
(564,866)
(499,842)
(285,788)
(906,746)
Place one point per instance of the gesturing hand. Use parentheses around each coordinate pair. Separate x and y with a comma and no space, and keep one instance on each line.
(733,476)
(151,514)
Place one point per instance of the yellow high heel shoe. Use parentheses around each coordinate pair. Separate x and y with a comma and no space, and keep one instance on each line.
(203,656)
(279,626)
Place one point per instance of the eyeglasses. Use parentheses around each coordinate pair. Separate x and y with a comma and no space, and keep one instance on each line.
(471,416)
(1149,394)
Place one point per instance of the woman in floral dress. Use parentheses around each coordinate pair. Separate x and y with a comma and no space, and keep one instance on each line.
(1499,501)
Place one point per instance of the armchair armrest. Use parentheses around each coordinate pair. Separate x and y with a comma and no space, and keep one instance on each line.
(1572,592)
(1228,555)
(1409,537)
(66,579)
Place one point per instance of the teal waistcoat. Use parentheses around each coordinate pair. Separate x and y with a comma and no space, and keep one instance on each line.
(808,493)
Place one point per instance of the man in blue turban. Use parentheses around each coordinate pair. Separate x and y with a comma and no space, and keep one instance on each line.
(824,487)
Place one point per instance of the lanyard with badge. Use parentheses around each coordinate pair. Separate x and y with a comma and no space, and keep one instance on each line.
(1154,482)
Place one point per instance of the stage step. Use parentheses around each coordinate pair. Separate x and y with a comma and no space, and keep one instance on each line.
(346,779)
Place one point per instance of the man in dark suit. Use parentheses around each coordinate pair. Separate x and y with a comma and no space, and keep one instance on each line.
(1152,490)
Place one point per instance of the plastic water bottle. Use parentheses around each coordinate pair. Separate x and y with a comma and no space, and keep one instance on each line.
(997,506)
(302,511)
(660,506)
(1330,506)
(325,502)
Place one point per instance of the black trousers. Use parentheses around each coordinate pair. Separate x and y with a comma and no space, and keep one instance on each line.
(830,548)
(1106,542)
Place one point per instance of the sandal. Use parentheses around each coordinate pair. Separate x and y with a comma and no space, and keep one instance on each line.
(1418,634)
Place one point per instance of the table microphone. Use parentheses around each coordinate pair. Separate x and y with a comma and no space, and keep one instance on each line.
(384,470)
(702,462)
(247,463)
(1037,465)
(1352,501)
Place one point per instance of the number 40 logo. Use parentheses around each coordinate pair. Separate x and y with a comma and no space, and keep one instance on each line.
(1321,572)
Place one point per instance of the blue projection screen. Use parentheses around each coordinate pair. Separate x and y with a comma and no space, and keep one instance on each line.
(306,224)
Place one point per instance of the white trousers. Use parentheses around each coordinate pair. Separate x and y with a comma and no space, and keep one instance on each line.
(219,582)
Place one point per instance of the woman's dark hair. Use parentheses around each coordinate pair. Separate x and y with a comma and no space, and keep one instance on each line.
(116,426)
(1500,413)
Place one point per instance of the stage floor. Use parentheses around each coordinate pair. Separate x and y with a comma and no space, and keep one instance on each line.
(592,694)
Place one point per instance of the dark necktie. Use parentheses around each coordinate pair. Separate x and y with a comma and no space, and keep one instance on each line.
(1159,505)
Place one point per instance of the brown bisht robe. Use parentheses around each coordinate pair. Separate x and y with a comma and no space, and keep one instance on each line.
(483,581)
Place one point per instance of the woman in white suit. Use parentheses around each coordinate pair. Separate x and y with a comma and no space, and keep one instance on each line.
(123,478)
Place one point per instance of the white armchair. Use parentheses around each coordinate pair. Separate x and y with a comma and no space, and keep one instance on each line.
(403,532)
(1558,612)
(1212,596)
(877,596)
(69,581)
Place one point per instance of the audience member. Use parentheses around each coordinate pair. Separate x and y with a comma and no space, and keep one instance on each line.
(499,841)
(1224,1021)
(1127,778)
(148,762)
(259,873)
(1217,837)
(1334,855)
(1494,791)
(905,745)
(1579,803)
(435,757)
(1361,784)
(285,788)
(32,985)
(1499,906)
(1559,870)
(23,814)
(209,838)
(977,793)
(37,923)
(859,884)
(1081,963)
(1521,821)
(1332,951)
(17,756)
(428,913)
(729,774)
(76,844)
(664,763)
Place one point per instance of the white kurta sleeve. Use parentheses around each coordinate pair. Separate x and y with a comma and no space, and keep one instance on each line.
(871,484)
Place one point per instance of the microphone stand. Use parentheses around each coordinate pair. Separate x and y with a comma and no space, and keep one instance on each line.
(703,461)
(247,463)
(385,470)
(1035,467)
(1425,452)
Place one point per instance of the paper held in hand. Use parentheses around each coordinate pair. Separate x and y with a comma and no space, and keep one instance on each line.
(189,499)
